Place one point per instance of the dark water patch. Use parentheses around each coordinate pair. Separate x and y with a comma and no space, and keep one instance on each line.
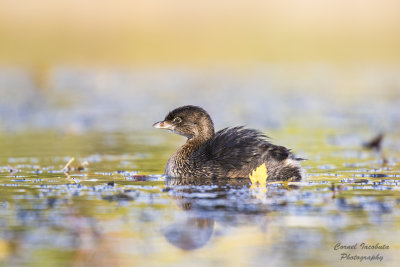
(119,197)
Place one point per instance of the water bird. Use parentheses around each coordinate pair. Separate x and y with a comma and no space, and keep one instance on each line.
(229,153)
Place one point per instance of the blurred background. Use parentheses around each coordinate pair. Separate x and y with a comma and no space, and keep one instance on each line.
(82,82)
(85,65)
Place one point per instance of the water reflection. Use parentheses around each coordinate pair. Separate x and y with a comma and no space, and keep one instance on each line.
(205,201)
(195,229)
(190,233)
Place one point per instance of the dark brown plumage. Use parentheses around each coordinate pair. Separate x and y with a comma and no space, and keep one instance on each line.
(231,152)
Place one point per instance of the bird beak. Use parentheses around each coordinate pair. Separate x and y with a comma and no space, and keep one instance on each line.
(163,125)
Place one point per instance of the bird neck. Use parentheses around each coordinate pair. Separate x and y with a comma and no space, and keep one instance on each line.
(191,146)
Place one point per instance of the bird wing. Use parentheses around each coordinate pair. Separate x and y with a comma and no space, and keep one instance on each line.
(233,148)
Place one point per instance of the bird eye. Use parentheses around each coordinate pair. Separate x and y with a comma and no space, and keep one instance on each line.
(177,120)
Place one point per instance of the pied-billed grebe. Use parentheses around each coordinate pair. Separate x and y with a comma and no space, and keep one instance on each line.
(231,152)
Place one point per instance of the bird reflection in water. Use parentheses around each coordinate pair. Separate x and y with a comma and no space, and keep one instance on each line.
(190,233)
(196,228)
(205,201)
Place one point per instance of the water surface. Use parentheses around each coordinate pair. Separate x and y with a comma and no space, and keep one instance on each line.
(117,208)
